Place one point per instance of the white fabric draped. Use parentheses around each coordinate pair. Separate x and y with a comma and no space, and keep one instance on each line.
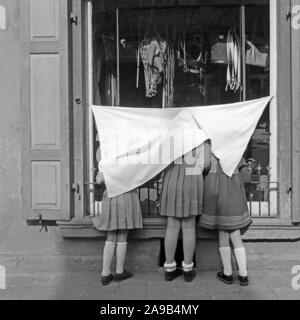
(138,143)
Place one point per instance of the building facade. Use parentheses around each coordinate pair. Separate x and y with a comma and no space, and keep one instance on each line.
(60,57)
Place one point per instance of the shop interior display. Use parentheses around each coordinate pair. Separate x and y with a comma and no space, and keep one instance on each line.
(171,56)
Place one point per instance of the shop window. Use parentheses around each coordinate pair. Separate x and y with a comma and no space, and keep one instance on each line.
(192,42)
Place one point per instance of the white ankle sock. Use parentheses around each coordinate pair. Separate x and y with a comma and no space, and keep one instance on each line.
(241,259)
(170,267)
(187,267)
(226,260)
(108,253)
(121,256)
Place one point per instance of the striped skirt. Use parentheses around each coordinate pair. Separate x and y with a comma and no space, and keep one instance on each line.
(120,213)
(224,203)
(182,194)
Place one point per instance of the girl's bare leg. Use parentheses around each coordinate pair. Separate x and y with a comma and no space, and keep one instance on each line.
(171,239)
(189,242)
(236,239)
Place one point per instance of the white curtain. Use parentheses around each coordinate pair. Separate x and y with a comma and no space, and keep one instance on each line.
(138,143)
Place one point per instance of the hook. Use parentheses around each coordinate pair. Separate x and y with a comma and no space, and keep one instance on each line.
(42,223)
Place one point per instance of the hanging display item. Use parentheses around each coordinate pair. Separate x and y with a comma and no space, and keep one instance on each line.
(218,40)
(194,65)
(158,58)
(218,50)
(226,49)
(257,56)
(168,92)
(153,56)
(233,48)
(257,47)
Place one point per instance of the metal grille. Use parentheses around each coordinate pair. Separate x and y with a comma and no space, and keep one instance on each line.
(150,197)
(261,192)
(261,195)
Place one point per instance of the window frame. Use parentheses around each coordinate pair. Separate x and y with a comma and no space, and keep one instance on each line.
(283,148)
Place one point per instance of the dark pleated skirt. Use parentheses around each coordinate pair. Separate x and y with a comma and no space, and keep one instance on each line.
(224,203)
(120,213)
(182,194)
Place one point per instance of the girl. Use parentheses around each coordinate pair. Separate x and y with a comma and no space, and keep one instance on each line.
(225,209)
(181,203)
(119,215)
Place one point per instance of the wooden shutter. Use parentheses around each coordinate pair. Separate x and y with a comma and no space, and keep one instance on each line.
(45,109)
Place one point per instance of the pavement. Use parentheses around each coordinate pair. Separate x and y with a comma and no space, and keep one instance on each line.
(69,270)
(273,284)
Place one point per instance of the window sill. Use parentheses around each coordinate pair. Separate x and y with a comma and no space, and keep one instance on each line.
(261,230)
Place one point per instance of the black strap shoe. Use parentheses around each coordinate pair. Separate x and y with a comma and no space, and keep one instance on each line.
(123,276)
(170,276)
(225,279)
(189,276)
(106,280)
(244,281)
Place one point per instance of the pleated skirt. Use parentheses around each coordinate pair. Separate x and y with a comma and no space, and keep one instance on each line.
(182,194)
(224,203)
(120,213)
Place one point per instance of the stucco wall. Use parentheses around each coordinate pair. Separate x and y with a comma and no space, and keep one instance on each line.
(10,157)
(15,235)
(21,245)
(9,119)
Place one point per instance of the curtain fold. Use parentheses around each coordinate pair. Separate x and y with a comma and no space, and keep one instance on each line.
(137,143)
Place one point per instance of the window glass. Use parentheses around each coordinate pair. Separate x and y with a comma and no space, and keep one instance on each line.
(176,55)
